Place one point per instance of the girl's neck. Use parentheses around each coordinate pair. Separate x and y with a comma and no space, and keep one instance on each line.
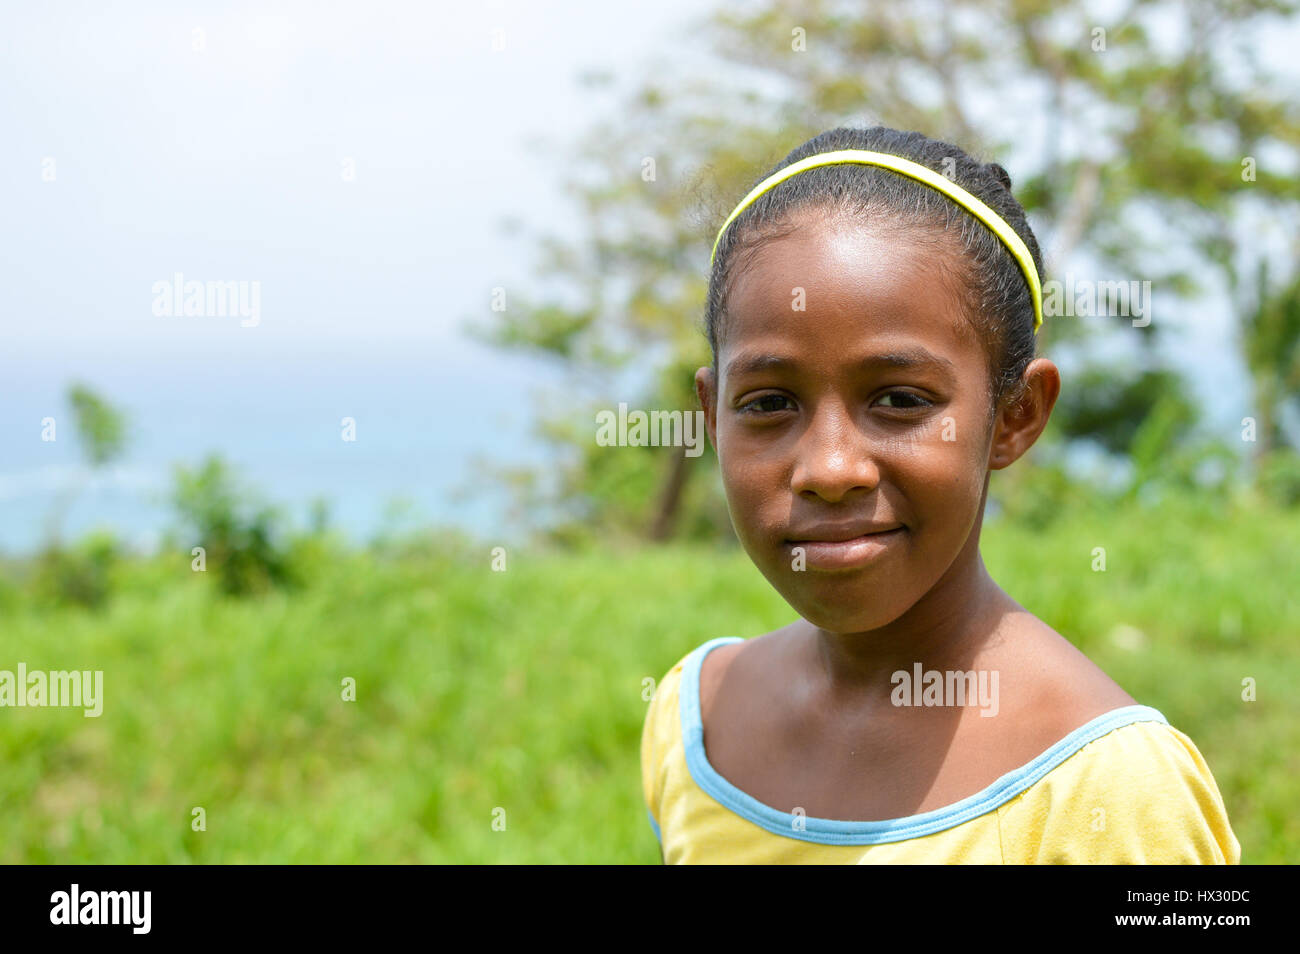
(944,630)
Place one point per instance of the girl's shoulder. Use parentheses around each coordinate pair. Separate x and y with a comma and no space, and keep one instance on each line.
(759,650)
(1127,788)
(1059,688)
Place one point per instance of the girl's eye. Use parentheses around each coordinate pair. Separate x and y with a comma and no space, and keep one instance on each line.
(767,404)
(773,403)
(909,400)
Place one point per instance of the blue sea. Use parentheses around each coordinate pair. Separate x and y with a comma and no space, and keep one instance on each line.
(428,423)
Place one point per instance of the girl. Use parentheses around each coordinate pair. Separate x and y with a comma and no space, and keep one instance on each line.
(871,312)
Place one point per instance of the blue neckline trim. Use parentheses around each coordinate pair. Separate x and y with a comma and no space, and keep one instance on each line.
(828,831)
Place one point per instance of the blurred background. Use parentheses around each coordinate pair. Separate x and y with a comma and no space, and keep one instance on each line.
(363,585)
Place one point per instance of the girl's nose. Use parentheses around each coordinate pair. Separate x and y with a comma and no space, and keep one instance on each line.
(833,457)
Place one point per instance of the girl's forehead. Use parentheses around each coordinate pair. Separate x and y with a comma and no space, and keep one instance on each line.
(844,259)
(836,287)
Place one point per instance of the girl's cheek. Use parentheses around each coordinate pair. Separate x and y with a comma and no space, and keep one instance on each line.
(756,498)
(948,463)
(749,490)
(949,487)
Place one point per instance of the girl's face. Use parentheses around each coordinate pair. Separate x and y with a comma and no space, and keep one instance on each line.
(851,418)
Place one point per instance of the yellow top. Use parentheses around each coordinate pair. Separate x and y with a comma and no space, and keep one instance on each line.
(1126,788)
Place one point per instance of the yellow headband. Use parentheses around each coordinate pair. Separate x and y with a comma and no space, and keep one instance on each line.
(919,172)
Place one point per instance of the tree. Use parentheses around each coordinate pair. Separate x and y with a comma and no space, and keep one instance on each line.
(238,536)
(1127,135)
(1271,340)
(81,574)
(100,428)
(101,434)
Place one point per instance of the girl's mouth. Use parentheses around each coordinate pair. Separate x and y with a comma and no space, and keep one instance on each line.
(844,553)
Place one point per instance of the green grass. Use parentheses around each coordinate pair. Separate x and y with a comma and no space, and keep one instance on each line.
(522,691)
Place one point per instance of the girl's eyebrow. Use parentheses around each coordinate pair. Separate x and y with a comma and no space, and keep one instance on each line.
(900,358)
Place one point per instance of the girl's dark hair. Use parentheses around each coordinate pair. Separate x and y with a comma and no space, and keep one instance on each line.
(997,297)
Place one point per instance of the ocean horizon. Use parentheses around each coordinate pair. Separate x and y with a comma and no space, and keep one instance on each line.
(424,425)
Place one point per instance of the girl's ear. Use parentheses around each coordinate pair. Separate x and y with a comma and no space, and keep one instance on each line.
(706,389)
(1017,425)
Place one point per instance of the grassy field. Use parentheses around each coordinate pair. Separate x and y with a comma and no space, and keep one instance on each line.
(479,691)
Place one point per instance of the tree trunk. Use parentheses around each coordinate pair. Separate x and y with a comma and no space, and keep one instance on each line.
(670,498)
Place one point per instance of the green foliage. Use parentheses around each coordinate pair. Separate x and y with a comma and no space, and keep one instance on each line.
(1279,477)
(100,428)
(241,539)
(1036,494)
(80,575)
(1159,435)
(101,434)
(1112,405)
(1271,332)
(522,689)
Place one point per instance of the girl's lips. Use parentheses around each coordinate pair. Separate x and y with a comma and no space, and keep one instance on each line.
(846,554)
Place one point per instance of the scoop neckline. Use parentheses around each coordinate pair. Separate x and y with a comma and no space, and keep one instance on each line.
(839,832)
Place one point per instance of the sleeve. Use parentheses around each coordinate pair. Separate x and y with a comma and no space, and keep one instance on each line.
(1142,794)
(656,735)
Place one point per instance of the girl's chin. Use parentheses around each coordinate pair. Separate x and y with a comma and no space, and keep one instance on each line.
(841,609)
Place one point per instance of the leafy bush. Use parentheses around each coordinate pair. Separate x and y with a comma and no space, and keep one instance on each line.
(79,575)
(240,537)
(1279,477)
